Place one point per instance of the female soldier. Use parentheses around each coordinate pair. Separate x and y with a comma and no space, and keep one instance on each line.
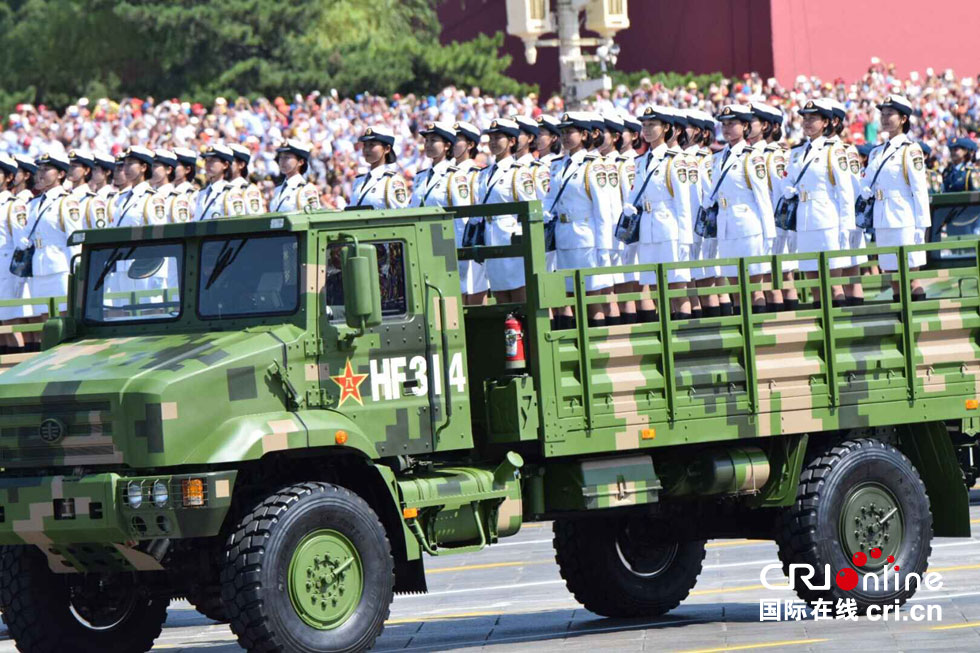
(766,133)
(745,220)
(251,197)
(896,179)
(472,275)
(119,186)
(442,183)
(211,201)
(818,175)
(625,162)
(695,184)
(294,193)
(381,187)
(851,236)
(681,166)
(51,217)
(581,207)
(11,286)
(504,181)
(23,184)
(665,202)
(185,193)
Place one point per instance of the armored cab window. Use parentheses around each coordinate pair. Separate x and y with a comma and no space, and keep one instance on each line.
(248,276)
(391,271)
(133,282)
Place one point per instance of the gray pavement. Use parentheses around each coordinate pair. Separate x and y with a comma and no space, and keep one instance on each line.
(511,598)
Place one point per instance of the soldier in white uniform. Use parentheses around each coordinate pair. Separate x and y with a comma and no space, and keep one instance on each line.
(294,193)
(80,174)
(681,167)
(382,187)
(180,206)
(119,185)
(11,287)
(137,206)
(664,202)
(692,154)
(851,236)
(472,274)
(896,179)
(625,174)
(611,137)
(583,209)
(98,213)
(818,175)
(213,202)
(442,183)
(745,218)
(53,216)
(504,181)
(250,195)
(23,184)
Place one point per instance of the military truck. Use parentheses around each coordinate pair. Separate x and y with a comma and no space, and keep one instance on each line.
(280,417)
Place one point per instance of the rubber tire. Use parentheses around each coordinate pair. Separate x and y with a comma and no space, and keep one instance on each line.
(585,550)
(36,611)
(208,602)
(808,532)
(256,563)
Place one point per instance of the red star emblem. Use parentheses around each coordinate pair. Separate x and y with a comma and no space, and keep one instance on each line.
(350,385)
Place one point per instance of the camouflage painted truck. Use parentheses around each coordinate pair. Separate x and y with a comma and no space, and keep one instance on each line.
(279,417)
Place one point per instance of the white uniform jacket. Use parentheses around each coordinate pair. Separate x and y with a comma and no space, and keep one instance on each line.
(901,189)
(380,188)
(740,185)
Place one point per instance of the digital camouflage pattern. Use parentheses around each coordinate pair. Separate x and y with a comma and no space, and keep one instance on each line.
(598,415)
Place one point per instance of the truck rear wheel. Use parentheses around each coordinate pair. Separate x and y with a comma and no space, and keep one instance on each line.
(626,566)
(206,599)
(308,569)
(863,499)
(52,612)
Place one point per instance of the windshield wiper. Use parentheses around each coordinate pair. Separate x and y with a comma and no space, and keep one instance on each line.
(114,258)
(225,258)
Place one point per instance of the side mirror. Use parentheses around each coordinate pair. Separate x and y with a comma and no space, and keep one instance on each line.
(57,330)
(362,287)
(144,268)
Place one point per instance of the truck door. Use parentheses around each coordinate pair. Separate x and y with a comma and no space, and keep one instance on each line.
(380,379)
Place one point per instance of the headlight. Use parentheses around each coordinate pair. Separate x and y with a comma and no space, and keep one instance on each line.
(160,494)
(134,495)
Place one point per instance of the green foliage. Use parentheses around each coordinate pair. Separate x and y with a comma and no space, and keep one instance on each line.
(54,51)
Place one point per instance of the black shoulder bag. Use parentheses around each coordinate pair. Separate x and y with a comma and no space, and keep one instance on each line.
(864,209)
(706,225)
(475,231)
(22,260)
(786,207)
(628,226)
(551,226)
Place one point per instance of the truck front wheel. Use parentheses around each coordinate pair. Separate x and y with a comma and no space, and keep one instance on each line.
(308,569)
(626,566)
(52,612)
(862,511)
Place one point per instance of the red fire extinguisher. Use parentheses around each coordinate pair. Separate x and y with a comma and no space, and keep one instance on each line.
(514,343)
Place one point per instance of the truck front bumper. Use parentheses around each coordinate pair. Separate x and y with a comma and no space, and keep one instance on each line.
(106,508)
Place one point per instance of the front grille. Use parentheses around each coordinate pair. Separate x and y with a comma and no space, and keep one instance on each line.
(84,429)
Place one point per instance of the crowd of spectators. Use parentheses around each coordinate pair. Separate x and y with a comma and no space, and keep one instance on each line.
(946,107)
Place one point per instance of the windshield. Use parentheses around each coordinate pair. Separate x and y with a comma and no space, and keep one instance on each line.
(134,282)
(249,276)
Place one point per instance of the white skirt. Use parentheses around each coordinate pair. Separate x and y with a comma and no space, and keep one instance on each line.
(785,243)
(472,278)
(610,258)
(854,239)
(667,251)
(745,246)
(49,285)
(819,240)
(11,287)
(706,249)
(505,273)
(581,258)
(627,255)
(895,238)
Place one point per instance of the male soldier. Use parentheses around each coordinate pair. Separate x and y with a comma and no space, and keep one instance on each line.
(212,201)
(961,174)
(294,193)
(251,196)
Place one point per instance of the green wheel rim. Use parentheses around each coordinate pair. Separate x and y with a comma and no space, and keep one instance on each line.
(871,518)
(326,579)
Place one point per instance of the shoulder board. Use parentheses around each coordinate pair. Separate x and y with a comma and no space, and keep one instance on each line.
(671,153)
(536,163)
(357,177)
(387,173)
(590,157)
(801,144)
(452,169)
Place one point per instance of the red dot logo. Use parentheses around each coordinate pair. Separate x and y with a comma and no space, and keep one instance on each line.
(847,579)
(891,559)
(860,559)
(876,553)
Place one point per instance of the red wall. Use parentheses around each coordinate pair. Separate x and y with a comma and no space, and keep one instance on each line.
(837,38)
(828,38)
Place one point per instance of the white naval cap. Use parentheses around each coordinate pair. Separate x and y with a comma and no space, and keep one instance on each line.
(897,102)
(241,152)
(54,159)
(219,151)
